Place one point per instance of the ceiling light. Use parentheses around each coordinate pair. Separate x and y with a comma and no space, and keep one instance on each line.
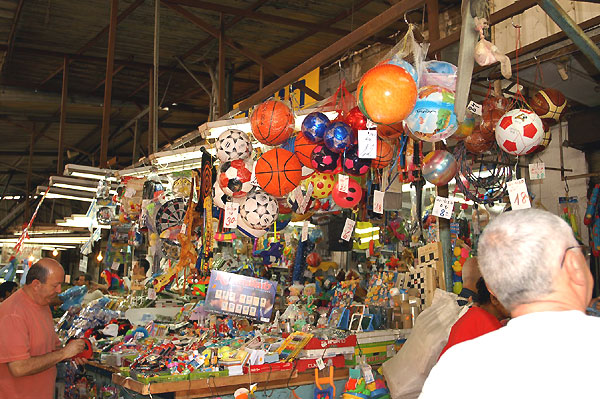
(58,240)
(78,184)
(56,192)
(181,155)
(82,221)
(55,252)
(88,172)
(99,257)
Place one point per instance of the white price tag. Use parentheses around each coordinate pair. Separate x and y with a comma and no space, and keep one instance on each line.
(115,266)
(537,171)
(253,180)
(367,144)
(68,278)
(475,108)
(368,253)
(348,229)
(517,192)
(367,374)
(305,230)
(378,201)
(443,207)
(83,264)
(308,273)
(151,294)
(305,199)
(320,363)
(343,183)
(231,215)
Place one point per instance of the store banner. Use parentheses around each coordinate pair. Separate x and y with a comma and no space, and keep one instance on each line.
(234,294)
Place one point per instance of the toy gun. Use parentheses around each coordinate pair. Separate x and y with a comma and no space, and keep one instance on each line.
(87,353)
(72,297)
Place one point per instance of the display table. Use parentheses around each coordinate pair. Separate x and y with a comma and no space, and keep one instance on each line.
(278,381)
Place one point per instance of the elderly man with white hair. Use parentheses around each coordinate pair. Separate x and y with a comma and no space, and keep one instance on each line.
(550,349)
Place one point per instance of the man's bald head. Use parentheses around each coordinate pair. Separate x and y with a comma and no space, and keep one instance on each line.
(42,269)
(471,273)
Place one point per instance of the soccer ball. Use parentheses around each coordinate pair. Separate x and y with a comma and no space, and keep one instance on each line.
(519,132)
(352,164)
(324,160)
(259,210)
(219,197)
(234,178)
(549,104)
(232,145)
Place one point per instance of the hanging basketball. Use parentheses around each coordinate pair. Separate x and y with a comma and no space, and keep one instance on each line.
(519,132)
(433,118)
(492,110)
(324,160)
(384,156)
(545,140)
(322,184)
(390,132)
(314,126)
(386,94)
(272,122)
(303,148)
(278,172)
(549,104)
(349,199)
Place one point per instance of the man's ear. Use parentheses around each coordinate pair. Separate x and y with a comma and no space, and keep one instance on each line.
(574,267)
(491,292)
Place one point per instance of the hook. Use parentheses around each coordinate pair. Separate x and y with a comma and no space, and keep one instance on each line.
(405,19)
(513,24)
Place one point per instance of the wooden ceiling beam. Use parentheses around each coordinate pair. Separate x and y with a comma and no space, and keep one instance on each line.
(11,35)
(95,39)
(259,16)
(365,31)
(101,83)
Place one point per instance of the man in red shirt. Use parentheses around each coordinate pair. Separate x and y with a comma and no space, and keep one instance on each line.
(479,320)
(29,347)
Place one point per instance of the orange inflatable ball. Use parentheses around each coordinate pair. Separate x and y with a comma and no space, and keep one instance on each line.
(272,122)
(278,172)
(389,132)
(386,94)
(303,147)
(385,153)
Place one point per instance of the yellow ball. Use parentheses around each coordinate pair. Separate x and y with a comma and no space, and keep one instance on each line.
(457,251)
(457,288)
(322,184)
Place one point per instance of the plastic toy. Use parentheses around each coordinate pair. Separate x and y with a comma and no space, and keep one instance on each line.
(328,392)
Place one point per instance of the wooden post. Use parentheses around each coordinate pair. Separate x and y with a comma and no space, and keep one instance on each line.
(221,68)
(261,77)
(27,199)
(134,152)
(63,116)
(155,77)
(433,22)
(110,61)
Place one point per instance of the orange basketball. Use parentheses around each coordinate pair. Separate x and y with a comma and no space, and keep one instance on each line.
(385,153)
(303,147)
(272,122)
(388,132)
(278,172)
(386,94)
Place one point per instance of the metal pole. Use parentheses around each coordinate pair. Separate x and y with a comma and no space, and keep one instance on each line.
(221,68)
(110,61)
(63,116)
(155,76)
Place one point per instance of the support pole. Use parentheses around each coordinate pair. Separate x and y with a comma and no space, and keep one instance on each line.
(154,104)
(572,30)
(134,152)
(151,111)
(433,22)
(29,162)
(110,61)
(261,78)
(63,117)
(221,68)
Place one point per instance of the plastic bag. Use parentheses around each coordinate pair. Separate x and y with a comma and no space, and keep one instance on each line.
(409,50)
(407,371)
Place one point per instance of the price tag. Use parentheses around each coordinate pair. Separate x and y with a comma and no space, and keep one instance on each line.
(68,278)
(368,253)
(83,264)
(348,229)
(443,207)
(253,180)
(151,294)
(537,171)
(475,108)
(367,144)
(305,230)
(115,266)
(367,374)
(390,352)
(308,273)
(343,183)
(320,363)
(378,201)
(231,215)
(517,192)
(305,199)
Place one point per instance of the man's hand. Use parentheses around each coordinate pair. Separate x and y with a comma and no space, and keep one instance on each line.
(73,348)
(80,361)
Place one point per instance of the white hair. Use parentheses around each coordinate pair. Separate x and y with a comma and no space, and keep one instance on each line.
(519,253)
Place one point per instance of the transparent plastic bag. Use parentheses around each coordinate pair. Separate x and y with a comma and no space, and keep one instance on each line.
(411,51)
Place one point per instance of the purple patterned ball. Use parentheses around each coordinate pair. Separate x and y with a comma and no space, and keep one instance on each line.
(352,164)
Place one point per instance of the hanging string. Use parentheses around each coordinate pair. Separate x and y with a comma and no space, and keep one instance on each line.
(518,94)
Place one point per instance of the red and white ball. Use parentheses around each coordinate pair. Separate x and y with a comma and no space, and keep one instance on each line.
(235,178)
(519,132)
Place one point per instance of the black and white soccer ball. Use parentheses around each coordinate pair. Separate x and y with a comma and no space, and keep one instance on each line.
(219,197)
(259,210)
(232,145)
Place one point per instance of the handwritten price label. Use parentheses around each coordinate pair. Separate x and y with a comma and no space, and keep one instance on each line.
(343,183)
(537,171)
(83,264)
(348,229)
(367,144)
(443,207)
(475,108)
(517,192)
(253,180)
(305,231)
(115,266)
(151,294)
(378,201)
(232,209)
